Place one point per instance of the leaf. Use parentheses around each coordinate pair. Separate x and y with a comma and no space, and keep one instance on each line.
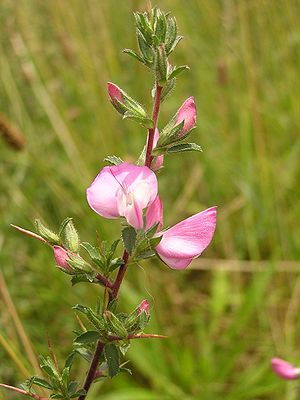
(177,71)
(85,353)
(114,160)
(129,238)
(178,148)
(80,392)
(69,360)
(71,236)
(134,55)
(170,85)
(41,382)
(87,277)
(87,337)
(63,225)
(56,396)
(72,387)
(112,357)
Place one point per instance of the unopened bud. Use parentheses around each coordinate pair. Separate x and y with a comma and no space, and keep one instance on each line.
(143,308)
(61,258)
(187,113)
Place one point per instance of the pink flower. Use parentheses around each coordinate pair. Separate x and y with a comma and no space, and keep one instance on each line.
(154,214)
(143,308)
(187,113)
(61,257)
(284,369)
(124,190)
(187,240)
(159,160)
(114,92)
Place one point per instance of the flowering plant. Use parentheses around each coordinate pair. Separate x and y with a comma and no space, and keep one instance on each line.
(129,192)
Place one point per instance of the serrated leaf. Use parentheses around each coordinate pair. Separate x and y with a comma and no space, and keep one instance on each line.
(129,238)
(178,148)
(86,277)
(87,337)
(41,382)
(69,360)
(177,71)
(112,357)
(93,253)
(113,160)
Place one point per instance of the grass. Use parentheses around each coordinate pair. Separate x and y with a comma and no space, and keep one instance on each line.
(224,319)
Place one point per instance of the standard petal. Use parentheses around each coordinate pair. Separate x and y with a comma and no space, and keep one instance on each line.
(284,369)
(187,239)
(155,214)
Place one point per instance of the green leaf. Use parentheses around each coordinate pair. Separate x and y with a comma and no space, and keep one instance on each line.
(167,89)
(178,148)
(72,387)
(69,360)
(80,392)
(129,238)
(112,357)
(155,241)
(134,55)
(41,382)
(177,71)
(86,354)
(94,254)
(87,337)
(115,325)
(57,396)
(113,160)
(63,226)
(86,277)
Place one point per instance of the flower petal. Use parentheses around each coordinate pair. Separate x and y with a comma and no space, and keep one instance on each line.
(188,239)
(155,214)
(284,369)
(187,113)
(159,160)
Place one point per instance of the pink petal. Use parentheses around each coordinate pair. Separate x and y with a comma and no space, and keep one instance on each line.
(188,239)
(188,113)
(123,190)
(114,92)
(155,214)
(143,308)
(159,160)
(284,369)
(61,257)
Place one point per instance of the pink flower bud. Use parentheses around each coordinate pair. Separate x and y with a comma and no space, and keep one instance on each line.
(284,369)
(114,92)
(61,258)
(187,113)
(143,308)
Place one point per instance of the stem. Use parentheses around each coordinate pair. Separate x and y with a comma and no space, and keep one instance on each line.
(104,281)
(93,368)
(151,131)
(21,391)
(120,276)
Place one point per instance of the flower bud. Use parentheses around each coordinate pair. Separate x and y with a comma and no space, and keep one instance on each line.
(114,92)
(187,113)
(61,258)
(143,308)
(284,369)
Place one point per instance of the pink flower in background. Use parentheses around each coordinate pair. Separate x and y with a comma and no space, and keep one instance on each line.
(159,160)
(187,113)
(284,369)
(61,258)
(143,308)
(124,190)
(114,92)
(187,240)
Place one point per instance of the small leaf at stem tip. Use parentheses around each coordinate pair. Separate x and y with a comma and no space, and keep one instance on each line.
(112,357)
(113,160)
(184,147)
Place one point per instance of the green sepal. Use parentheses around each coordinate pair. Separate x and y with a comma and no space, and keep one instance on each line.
(171,34)
(50,236)
(161,65)
(71,236)
(145,49)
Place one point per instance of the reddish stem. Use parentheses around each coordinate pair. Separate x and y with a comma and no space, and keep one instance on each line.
(93,368)
(120,276)
(151,131)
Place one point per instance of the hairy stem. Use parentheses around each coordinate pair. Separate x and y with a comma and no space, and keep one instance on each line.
(120,276)
(151,131)
(93,368)
(21,391)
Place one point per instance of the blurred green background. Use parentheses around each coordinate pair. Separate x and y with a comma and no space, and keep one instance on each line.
(237,306)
